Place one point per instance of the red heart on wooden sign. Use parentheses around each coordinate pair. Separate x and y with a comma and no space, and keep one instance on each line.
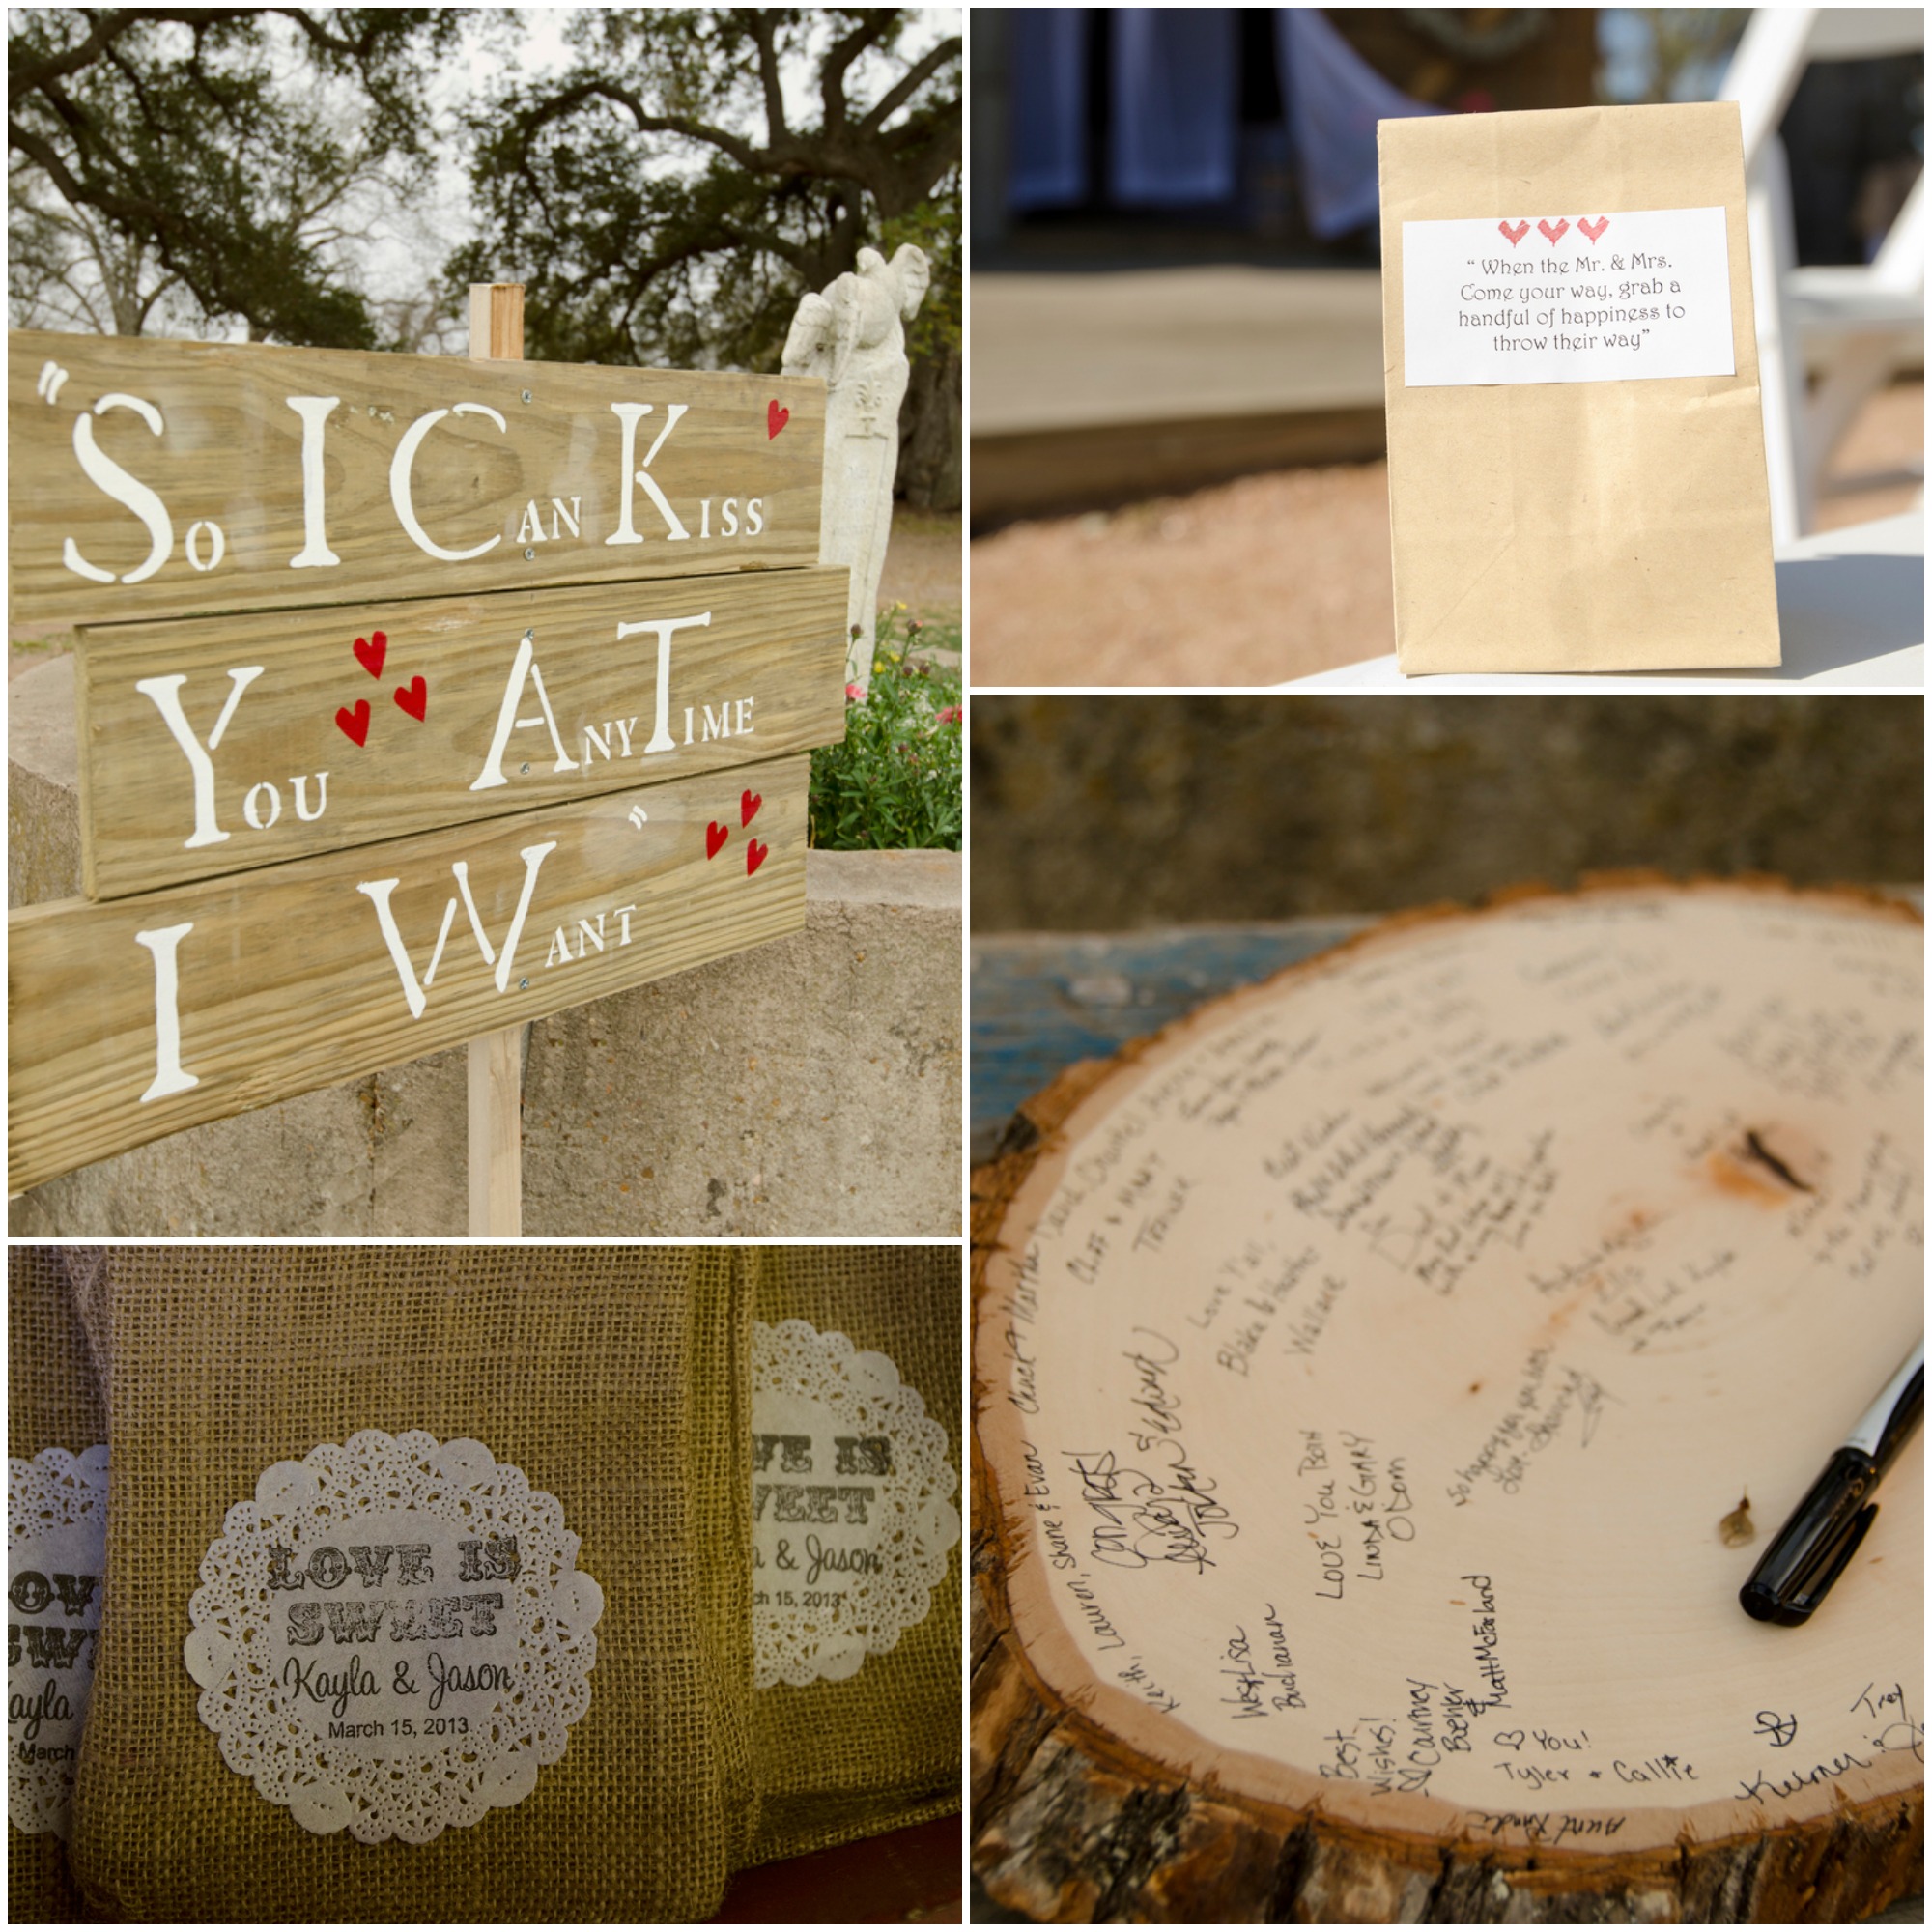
(413,698)
(754,857)
(776,419)
(1553,235)
(1515,234)
(748,806)
(1595,234)
(715,836)
(369,653)
(355,724)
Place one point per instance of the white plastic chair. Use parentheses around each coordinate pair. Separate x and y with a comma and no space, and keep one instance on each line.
(1855,327)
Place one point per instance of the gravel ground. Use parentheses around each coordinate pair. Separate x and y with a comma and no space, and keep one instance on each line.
(1269,578)
(925,561)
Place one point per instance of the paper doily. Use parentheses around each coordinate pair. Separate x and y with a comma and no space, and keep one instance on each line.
(56,1561)
(381,1691)
(851,1505)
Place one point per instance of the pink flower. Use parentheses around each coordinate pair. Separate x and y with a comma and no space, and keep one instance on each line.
(854,695)
(954,714)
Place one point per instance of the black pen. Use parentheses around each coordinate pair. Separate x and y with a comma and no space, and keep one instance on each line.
(1817,1542)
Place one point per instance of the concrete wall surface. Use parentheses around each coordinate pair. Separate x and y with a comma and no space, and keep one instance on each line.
(808,1087)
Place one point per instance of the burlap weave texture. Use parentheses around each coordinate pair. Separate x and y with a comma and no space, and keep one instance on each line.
(837,1761)
(52,1402)
(611,1378)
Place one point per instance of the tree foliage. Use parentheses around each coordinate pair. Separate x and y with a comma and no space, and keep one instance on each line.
(164,145)
(669,197)
(70,267)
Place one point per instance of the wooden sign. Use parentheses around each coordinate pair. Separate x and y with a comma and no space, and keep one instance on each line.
(1386,1380)
(215,744)
(137,1017)
(168,477)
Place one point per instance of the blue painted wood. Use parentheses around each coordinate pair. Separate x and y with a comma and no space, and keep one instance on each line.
(1041,1001)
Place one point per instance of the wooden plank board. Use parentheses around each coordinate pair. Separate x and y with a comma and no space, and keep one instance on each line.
(137,1017)
(212,744)
(1042,1001)
(175,477)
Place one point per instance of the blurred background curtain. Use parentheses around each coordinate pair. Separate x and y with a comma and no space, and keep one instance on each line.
(1177,106)
(1172,109)
(1047,167)
(1334,99)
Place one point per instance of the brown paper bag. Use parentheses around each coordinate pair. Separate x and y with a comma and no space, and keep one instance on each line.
(1554,523)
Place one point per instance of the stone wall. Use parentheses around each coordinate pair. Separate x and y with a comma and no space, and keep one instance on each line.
(1104,815)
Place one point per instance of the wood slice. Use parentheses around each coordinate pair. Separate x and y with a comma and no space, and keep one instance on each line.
(1368,1373)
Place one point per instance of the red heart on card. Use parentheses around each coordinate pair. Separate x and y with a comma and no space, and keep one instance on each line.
(715,836)
(355,724)
(1515,234)
(1553,235)
(748,807)
(413,698)
(776,419)
(754,857)
(369,653)
(1595,234)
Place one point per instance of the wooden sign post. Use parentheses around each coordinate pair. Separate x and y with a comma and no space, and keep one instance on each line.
(496,1072)
(418,699)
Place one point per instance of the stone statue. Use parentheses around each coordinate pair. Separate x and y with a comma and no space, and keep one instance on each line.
(853,335)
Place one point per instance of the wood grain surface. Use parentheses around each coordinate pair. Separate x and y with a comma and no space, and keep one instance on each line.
(1043,1000)
(374,721)
(286,980)
(1433,1616)
(155,479)
(495,1073)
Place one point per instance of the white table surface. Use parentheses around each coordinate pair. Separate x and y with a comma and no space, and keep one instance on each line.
(1851,608)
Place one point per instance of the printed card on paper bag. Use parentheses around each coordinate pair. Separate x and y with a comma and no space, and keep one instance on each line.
(1576,467)
(1621,299)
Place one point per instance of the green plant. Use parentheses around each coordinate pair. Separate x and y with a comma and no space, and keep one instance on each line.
(895,781)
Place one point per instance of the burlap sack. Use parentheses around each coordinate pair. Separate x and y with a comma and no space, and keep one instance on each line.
(53,1401)
(837,1761)
(610,1376)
